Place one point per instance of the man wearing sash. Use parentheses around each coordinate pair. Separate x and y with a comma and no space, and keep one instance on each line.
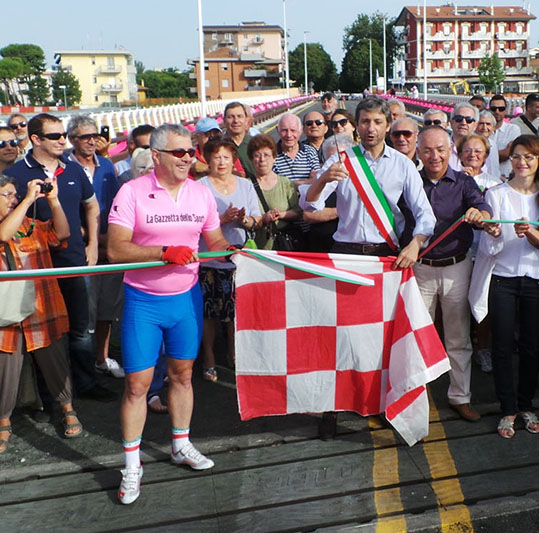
(369,181)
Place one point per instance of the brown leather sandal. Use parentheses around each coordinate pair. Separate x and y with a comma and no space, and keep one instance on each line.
(4,443)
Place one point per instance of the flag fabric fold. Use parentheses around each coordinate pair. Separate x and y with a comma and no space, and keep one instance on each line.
(306,343)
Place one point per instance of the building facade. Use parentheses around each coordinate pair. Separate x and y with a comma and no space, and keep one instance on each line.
(458,37)
(245,57)
(106,77)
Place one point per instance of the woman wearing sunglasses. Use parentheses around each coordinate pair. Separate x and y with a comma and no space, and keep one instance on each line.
(514,287)
(237,204)
(344,122)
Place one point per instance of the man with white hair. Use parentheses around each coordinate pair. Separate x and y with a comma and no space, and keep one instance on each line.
(297,161)
(397,108)
(464,119)
(435,117)
(403,135)
(485,128)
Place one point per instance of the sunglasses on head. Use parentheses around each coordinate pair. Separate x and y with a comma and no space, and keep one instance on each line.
(18,125)
(436,122)
(88,137)
(404,133)
(498,108)
(180,152)
(318,122)
(53,136)
(342,122)
(12,142)
(460,118)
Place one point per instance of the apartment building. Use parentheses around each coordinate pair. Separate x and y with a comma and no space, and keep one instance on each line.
(106,77)
(245,57)
(458,37)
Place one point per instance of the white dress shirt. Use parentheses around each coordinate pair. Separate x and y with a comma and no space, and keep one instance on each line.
(505,134)
(397,176)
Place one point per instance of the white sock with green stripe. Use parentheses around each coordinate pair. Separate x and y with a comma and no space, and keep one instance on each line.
(132,452)
(180,437)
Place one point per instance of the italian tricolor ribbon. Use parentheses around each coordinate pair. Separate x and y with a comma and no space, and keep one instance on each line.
(371,195)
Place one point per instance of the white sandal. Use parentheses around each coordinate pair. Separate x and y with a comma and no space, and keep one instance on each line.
(530,420)
(506,427)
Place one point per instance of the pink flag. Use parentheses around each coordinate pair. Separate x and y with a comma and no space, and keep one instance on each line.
(307,343)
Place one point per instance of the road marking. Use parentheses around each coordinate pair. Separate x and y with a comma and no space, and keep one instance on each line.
(448,491)
(385,472)
(295,113)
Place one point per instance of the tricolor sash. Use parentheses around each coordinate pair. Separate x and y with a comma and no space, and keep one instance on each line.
(371,195)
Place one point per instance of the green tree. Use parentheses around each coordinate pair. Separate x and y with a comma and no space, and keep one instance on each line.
(32,58)
(491,73)
(322,72)
(73,92)
(140,68)
(10,70)
(355,70)
(166,84)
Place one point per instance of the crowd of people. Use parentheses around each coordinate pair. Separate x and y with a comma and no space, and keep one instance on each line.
(173,194)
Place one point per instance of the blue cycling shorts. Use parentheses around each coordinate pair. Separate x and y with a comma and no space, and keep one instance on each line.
(149,320)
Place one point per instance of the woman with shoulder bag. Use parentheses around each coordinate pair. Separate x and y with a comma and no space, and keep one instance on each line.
(277,197)
(25,244)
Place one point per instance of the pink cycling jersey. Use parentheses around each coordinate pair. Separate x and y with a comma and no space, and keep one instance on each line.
(145,207)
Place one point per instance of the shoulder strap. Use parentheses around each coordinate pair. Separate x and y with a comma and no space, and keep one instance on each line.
(260,194)
(371,195)
(10,258)
(526,121)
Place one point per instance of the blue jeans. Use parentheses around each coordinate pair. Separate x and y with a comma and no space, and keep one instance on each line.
(80,340)
(506,297)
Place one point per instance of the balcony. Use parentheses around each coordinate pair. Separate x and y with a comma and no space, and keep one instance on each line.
(192,76)
(260,73)
(477,36)
(226,41)
(474,53)
(520,71)
(111,89)
(440,54)
(504,53)
(109,69)
(511,36)
(256,41)
(441,36)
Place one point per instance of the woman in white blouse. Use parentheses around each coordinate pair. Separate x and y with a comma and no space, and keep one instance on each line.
(515,285)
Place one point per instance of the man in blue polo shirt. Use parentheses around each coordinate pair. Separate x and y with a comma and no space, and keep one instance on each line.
(76,194)
(104,291)
(443,275)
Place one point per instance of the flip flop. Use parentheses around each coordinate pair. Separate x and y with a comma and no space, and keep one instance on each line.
(506,427)
(530,421)
(2,441)
(155,405)
(67,426)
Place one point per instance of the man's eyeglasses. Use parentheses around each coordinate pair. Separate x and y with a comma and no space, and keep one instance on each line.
(16,125)
(88,137)
(498,108)
(318,122)
(53,136)
(429,122)
(528,158)
(460,118)
(342,123)
(12,142)
(405,133)
(179,152)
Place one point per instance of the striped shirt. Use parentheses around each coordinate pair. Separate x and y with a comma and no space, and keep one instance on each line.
(299,168)
(49,321)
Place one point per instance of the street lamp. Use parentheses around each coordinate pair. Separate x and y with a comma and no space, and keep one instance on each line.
(201,63)
(64,87)
(287,73)
(305,61)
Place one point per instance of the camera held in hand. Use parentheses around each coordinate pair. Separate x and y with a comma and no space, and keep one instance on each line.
(45,188)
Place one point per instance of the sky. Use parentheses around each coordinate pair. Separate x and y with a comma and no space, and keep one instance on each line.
(166,35)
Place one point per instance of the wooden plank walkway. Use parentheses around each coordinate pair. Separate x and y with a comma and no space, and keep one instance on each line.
(281,477)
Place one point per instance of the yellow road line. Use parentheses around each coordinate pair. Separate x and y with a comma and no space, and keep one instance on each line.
(448,491)
(295,113)
(385,471)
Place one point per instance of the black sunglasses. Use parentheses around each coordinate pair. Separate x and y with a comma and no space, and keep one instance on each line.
(11,142)
(88,137)
(180,152)
(53,136)
(18,125)
(429,122)
(318,122)
(498,108)
(404,133)
(460,118)
(342,122)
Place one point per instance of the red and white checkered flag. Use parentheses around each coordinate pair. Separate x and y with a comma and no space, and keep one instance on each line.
(312,343)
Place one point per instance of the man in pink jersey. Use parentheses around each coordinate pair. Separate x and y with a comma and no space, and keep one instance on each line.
(160,216)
